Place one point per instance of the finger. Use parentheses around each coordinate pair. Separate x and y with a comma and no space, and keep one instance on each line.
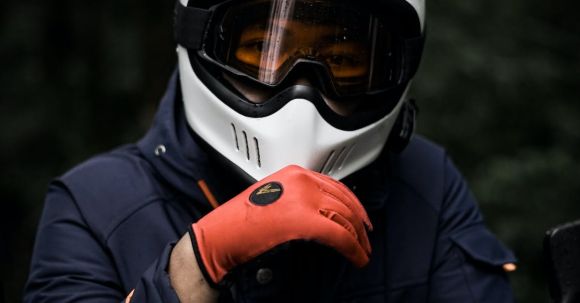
(360,235)
(340,199)
(351,199)
(336,236)
(331,203)
(336,217)
(346,191)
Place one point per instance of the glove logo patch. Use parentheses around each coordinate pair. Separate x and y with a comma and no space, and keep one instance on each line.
(266,194)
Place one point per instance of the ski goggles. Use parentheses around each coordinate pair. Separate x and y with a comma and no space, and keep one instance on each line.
(344,50)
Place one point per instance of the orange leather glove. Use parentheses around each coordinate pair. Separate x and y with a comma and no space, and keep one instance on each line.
(291,204)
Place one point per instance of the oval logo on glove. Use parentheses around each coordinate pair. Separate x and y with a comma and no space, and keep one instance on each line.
(266,194)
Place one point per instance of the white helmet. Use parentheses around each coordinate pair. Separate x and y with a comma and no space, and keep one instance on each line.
(346,53)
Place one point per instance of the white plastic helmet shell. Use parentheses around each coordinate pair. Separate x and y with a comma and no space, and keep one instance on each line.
(419,6)
(295,134)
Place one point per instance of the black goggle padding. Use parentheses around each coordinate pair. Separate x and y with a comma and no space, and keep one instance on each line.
(385,102)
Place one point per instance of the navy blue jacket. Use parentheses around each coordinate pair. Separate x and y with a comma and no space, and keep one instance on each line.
(109,224)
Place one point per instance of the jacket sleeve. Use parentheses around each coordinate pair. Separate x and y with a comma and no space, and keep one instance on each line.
(468,258)
(69,264)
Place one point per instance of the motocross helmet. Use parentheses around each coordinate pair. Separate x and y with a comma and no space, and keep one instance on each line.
(362,53)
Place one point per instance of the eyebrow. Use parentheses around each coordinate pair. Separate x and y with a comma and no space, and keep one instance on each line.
(279,29)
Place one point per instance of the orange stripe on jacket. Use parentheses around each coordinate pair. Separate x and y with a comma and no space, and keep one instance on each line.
(208,195)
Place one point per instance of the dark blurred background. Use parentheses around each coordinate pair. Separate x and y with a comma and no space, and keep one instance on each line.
(498,87)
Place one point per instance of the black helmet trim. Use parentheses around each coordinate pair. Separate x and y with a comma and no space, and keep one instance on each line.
(237,102)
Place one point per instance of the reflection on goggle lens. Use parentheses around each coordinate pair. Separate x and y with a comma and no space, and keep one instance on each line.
(266,39)
(346,59)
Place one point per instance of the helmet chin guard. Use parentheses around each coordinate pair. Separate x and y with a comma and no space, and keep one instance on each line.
(295,134)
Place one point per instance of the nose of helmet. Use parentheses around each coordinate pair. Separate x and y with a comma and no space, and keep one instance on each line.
(341,108)
(259,94)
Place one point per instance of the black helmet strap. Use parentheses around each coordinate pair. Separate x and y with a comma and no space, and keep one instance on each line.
(190,25)
(404,127)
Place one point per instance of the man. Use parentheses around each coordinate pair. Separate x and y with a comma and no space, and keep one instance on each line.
(233,193)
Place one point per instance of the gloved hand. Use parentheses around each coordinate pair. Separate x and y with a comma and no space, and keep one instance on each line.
(291,204)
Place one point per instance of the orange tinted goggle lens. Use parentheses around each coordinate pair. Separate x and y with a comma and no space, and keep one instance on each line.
(266,39)
(269,57)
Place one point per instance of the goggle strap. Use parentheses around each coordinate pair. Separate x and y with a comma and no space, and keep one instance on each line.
(190,25)
(404,127)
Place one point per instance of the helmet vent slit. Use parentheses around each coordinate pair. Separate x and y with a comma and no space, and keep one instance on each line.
(235,137)
(259,159)
(337,165)
(327,166)
(247,146)
(345,155)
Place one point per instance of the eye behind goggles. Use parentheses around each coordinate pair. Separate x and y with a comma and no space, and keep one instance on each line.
(347,51)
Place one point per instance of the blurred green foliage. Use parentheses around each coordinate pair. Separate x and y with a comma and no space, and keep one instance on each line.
(497,87)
